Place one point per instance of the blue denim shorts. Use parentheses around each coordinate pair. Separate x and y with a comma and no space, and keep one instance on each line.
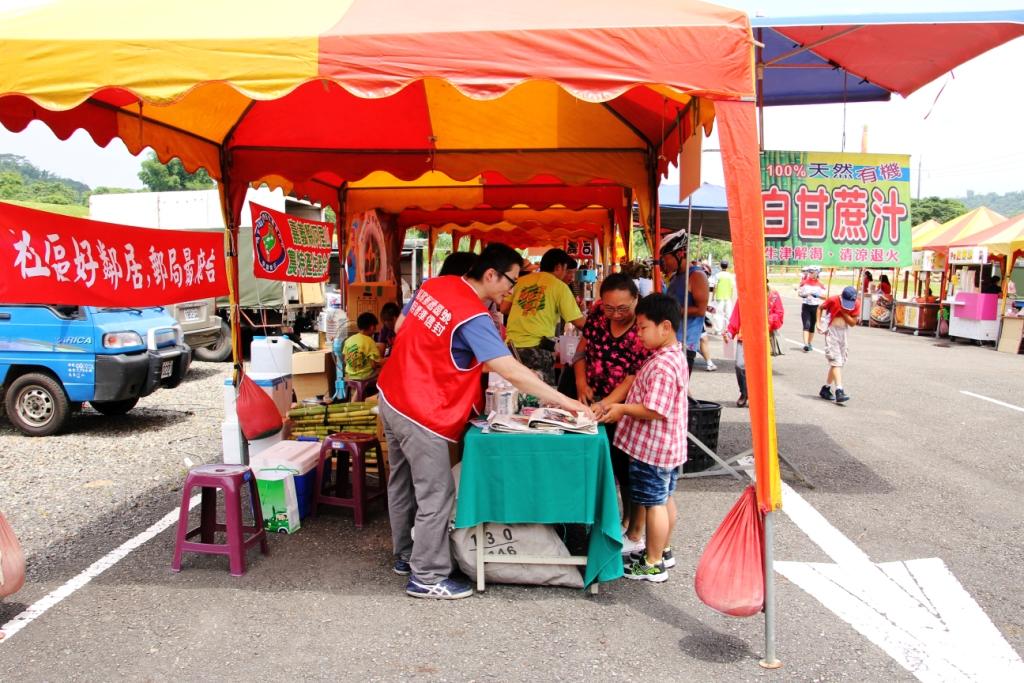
(651,485)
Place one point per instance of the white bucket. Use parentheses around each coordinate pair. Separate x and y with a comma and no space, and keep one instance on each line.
(271,354)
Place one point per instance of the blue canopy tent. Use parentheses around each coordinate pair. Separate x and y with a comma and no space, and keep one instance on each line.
(866,51)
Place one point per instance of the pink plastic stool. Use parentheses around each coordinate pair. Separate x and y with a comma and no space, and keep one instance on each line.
(348,446)
(230,479)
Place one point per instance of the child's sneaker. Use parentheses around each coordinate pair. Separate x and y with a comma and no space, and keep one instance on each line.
(667,558)
(641,571)
(841,396)
(401,567)
(826,393)
(629,546)
(449,589)
(711,366)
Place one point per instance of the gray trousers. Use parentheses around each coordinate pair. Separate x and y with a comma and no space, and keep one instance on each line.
(421,490)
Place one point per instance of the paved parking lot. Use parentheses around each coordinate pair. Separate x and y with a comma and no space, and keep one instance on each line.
(911,468)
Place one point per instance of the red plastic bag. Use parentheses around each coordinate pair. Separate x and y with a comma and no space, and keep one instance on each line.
(12,561)
(257,413)
(730,574)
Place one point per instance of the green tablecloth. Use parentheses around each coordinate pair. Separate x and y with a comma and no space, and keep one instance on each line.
(544,479)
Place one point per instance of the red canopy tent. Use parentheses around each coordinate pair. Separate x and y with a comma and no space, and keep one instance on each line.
(577,90)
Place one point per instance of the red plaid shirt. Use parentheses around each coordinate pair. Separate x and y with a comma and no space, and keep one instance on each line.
(660,386)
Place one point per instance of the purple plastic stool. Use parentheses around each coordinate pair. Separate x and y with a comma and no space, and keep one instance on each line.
(230,479)
(358,389)
(348,446)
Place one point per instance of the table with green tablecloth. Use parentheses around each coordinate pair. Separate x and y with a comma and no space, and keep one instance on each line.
(517,478)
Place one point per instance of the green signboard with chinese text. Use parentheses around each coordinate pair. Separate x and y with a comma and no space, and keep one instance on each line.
(836,209)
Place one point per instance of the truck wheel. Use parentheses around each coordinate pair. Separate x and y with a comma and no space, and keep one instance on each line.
(36,404)
(220,351)
(114,407)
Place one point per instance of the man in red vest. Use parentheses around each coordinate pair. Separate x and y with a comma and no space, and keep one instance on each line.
(428,389)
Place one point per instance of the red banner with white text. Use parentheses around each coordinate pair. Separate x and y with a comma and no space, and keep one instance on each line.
(288,247)
(47,258)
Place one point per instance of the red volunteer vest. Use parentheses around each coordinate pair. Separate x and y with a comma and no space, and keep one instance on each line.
(421,380)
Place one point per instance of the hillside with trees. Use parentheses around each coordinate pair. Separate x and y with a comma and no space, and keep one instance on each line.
(1009,204)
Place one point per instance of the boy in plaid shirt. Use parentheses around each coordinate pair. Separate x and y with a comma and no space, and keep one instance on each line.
(652,432)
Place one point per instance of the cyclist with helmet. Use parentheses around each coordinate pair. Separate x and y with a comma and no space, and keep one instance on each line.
(673,262)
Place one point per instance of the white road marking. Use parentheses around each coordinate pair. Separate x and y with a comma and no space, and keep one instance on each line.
(915,610)
(101,565)
(992,400)
(801,345)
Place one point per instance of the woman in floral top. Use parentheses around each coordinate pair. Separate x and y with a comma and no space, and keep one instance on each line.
(610,353)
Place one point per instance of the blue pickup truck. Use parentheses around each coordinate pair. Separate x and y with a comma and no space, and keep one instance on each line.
(54,358)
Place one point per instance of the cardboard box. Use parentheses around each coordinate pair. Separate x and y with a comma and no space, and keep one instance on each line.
(311,293)
(312,374)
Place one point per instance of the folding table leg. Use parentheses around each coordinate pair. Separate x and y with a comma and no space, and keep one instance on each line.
(480,557)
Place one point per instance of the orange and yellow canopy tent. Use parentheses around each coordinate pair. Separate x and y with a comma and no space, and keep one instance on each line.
(1006,237)
(921,231)
(576,90)
(957,229)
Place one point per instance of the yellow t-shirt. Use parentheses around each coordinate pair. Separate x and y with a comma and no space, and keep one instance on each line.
(538,301)
(359,352)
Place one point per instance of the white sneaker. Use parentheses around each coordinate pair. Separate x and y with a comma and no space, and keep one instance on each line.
(711,366)
(631,546)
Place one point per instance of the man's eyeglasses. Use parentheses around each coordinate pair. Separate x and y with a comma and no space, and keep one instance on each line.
(511,280)
(616,310)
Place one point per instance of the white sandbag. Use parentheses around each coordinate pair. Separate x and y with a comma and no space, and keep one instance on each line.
(536,540)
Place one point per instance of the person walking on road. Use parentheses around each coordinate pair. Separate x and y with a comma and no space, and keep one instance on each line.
(724,296)
(673,261)
(427,390)
(835,317)
(812,293)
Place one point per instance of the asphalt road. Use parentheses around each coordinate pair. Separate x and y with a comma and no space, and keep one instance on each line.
(909,468)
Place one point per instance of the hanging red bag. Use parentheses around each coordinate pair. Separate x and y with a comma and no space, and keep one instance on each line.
(257,413)
(12,561)
(730,574)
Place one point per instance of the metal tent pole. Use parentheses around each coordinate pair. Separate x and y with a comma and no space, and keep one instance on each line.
(770,661)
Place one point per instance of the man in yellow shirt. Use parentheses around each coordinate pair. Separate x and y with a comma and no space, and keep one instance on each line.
(539,301)
(362,357)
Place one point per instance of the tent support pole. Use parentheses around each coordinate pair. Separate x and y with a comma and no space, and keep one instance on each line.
(770,661)
(231,223)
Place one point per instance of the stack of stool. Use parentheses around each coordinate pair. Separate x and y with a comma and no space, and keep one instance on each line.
(230,479)
(349,447)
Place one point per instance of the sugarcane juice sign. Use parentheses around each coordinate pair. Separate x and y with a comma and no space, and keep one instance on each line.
(836,209)
(968,255)
(289,248)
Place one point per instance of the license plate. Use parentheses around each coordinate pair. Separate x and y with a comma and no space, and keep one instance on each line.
(166,369)
(192,314)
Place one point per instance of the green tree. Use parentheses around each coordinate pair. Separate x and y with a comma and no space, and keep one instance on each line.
(935,208)
(160,177)
(12,185)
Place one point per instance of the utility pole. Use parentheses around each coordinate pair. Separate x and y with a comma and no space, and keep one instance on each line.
(920,159)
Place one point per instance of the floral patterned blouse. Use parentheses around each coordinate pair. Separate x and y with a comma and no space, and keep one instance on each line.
(610,359)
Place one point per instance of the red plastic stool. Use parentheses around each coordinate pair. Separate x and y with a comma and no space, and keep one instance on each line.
(358,389)
(230,479)
(350,446)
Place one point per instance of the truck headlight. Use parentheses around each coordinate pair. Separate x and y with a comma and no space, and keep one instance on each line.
(121,340)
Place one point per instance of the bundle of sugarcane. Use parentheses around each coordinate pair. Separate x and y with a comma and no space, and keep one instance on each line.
(321,421)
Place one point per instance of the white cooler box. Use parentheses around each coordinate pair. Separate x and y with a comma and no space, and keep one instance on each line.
(230,439)
(277,386)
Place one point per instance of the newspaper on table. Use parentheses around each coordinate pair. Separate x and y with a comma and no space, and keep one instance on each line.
(542,421)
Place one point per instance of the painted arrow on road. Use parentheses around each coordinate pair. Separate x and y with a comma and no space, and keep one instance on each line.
(915,610)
